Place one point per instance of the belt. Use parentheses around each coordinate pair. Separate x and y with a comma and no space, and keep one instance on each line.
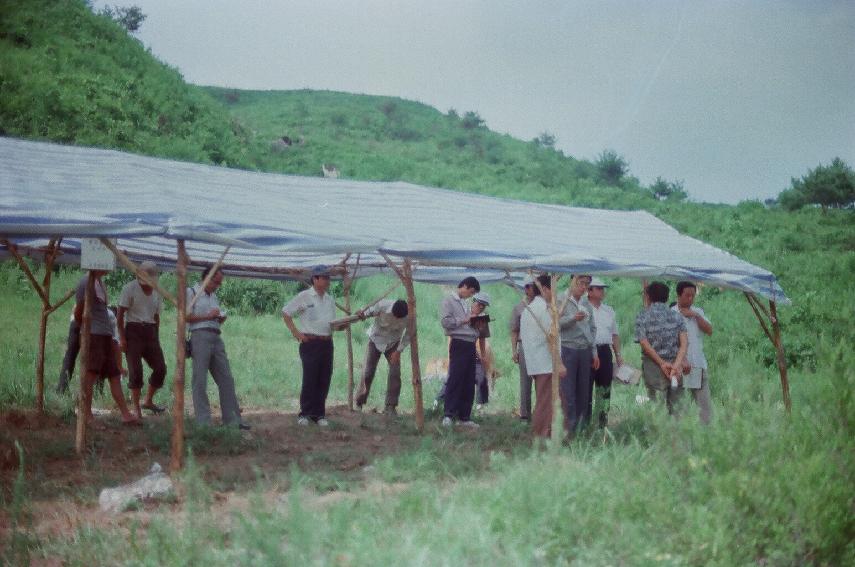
(129,323)
(317,337)
(604,344)
(207,330)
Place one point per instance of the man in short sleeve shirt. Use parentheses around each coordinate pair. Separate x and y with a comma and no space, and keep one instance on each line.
(140,306)
(517,350)
(662,336)
(696,378)
(387,336)
(316,309)
(607,339)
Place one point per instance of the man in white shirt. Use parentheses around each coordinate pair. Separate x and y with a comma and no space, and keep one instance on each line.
(387,336)
(607,339)
(316,308)
(695,377)
(140,306)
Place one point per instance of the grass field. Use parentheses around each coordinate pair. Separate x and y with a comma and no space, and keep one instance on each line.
(757,487)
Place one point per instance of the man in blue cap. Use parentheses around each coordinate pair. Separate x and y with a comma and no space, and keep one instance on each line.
(316,309)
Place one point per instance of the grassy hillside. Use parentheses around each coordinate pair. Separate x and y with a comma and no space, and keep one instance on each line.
(757,487)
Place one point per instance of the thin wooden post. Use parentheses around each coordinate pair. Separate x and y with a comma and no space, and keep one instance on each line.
(85,390)
(177,457)
(134,269)
(349,335)
(412,330)
(555,348)
(782,361)
(50,255)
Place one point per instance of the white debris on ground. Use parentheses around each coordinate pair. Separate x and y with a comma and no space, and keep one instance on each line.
(155,485)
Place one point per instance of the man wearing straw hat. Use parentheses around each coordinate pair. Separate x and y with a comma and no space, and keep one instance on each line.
(140,306)
(316,308)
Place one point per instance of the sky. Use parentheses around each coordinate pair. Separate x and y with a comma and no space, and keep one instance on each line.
(732,98)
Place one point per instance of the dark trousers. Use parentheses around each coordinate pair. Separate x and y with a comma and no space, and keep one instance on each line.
(460,388)
(71,350)
(576,386)
(317,359)
(602,378)
(144,344)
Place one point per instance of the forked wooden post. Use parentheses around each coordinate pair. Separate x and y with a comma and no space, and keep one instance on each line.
(346,281)
(555,349)
(774,336)
(176,461)
(85,389)
(782,361)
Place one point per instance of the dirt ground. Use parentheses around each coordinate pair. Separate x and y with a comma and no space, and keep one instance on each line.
(62,488)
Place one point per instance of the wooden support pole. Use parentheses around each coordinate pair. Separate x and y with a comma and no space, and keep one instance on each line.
(134,269)
(782,361)
(406,276)
(62,301)
(754,307)
(412,330)
(349,335)
(85,390)
(177,456)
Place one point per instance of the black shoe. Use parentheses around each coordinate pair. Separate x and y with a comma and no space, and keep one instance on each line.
(244,426)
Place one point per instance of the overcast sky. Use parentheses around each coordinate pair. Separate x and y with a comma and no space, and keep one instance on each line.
(734,98)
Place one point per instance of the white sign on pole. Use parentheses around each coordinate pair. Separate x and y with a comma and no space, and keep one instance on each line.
(95,256)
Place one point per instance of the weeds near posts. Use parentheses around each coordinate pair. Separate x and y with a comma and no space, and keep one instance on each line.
(22,538)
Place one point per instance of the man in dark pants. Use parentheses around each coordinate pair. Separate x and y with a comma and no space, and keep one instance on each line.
(607,339)
(455,316)
(316,308)
(140,306)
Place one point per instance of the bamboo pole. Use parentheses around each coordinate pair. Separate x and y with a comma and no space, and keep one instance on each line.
(782,361)
(134,269)
(85,390)
(177,457)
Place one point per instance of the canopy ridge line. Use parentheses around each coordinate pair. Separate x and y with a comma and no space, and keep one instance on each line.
(211,273)
(127,263)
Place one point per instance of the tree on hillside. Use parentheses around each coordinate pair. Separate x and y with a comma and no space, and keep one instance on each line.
(472,120)
(668,190)
(545,140)
(829,186)
(611,167)
(130,18)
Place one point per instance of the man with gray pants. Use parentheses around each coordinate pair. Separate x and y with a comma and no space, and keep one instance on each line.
(209,354)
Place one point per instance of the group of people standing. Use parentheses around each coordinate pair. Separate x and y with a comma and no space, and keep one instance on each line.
(670,339)
(590,346)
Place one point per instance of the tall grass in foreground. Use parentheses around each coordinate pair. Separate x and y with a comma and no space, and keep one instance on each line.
(757,487)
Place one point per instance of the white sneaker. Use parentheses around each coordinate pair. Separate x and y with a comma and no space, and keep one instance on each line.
(447,422)
(303,421)
(471,424)
(323,422)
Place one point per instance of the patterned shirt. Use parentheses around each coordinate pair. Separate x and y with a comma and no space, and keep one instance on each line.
(661,327)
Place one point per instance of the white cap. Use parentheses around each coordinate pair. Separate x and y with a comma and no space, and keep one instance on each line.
(482,297)
(597,282)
